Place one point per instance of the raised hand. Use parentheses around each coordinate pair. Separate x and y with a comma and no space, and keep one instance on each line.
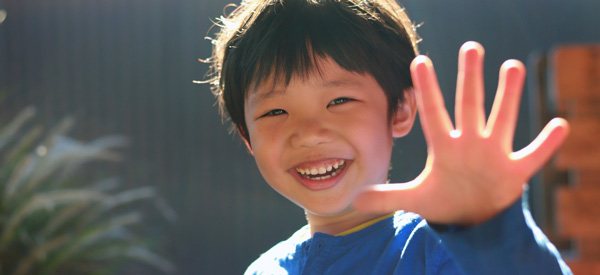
(471,173)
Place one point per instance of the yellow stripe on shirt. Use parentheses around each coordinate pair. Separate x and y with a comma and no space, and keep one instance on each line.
(364,225)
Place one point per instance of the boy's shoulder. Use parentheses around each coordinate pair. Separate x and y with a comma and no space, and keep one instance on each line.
(273,260)
(385,239)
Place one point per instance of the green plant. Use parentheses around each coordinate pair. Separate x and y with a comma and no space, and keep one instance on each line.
(56,215)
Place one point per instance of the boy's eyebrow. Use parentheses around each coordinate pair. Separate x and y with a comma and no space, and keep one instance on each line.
(340,82)
(261,95)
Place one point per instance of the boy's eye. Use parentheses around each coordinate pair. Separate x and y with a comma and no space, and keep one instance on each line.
(340,100)
(275,112)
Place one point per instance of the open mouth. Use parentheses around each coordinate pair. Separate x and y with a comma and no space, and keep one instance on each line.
(322,172)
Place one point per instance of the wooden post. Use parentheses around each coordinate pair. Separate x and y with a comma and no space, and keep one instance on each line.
(576,90)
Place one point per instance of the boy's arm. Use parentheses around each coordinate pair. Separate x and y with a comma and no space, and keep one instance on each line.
(509,243)
(472,182)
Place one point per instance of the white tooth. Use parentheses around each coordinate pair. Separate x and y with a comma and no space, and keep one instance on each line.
(335,165)
(322,170)
(342,162)
(333,174)
(314,171)
(329,168)
(326,177)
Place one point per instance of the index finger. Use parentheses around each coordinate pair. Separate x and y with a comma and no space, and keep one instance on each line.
(435,120)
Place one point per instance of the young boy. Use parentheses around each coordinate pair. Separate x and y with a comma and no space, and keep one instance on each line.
(319,89)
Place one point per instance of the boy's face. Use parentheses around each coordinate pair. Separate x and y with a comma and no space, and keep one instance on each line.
(319,140)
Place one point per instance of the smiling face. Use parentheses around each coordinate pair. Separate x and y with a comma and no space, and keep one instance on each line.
(320,139)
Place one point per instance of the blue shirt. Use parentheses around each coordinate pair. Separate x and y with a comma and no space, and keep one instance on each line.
(509,243)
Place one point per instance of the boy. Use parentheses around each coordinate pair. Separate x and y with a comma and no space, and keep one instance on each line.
(319,89)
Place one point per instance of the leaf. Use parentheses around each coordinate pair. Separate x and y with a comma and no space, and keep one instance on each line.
(65,216)
(67,152)
(38,254)
(15,125)
(88,237)
(44,201)
(122,198)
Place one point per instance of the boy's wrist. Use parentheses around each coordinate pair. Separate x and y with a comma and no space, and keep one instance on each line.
(504,220)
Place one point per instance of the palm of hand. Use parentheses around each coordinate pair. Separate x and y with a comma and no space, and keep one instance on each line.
(471,173)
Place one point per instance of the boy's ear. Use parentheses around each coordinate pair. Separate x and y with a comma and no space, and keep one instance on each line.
(242,134)
(404,118)
(247,145)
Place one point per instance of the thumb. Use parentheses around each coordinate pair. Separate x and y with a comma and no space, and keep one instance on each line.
(386,198)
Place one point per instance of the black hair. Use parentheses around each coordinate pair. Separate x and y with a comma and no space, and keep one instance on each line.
(262,39)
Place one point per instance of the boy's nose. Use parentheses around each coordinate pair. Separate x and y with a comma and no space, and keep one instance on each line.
(310,132)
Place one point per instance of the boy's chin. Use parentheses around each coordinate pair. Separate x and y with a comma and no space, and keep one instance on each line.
(331,206)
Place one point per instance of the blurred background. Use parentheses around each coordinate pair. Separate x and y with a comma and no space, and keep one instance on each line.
(127,67)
